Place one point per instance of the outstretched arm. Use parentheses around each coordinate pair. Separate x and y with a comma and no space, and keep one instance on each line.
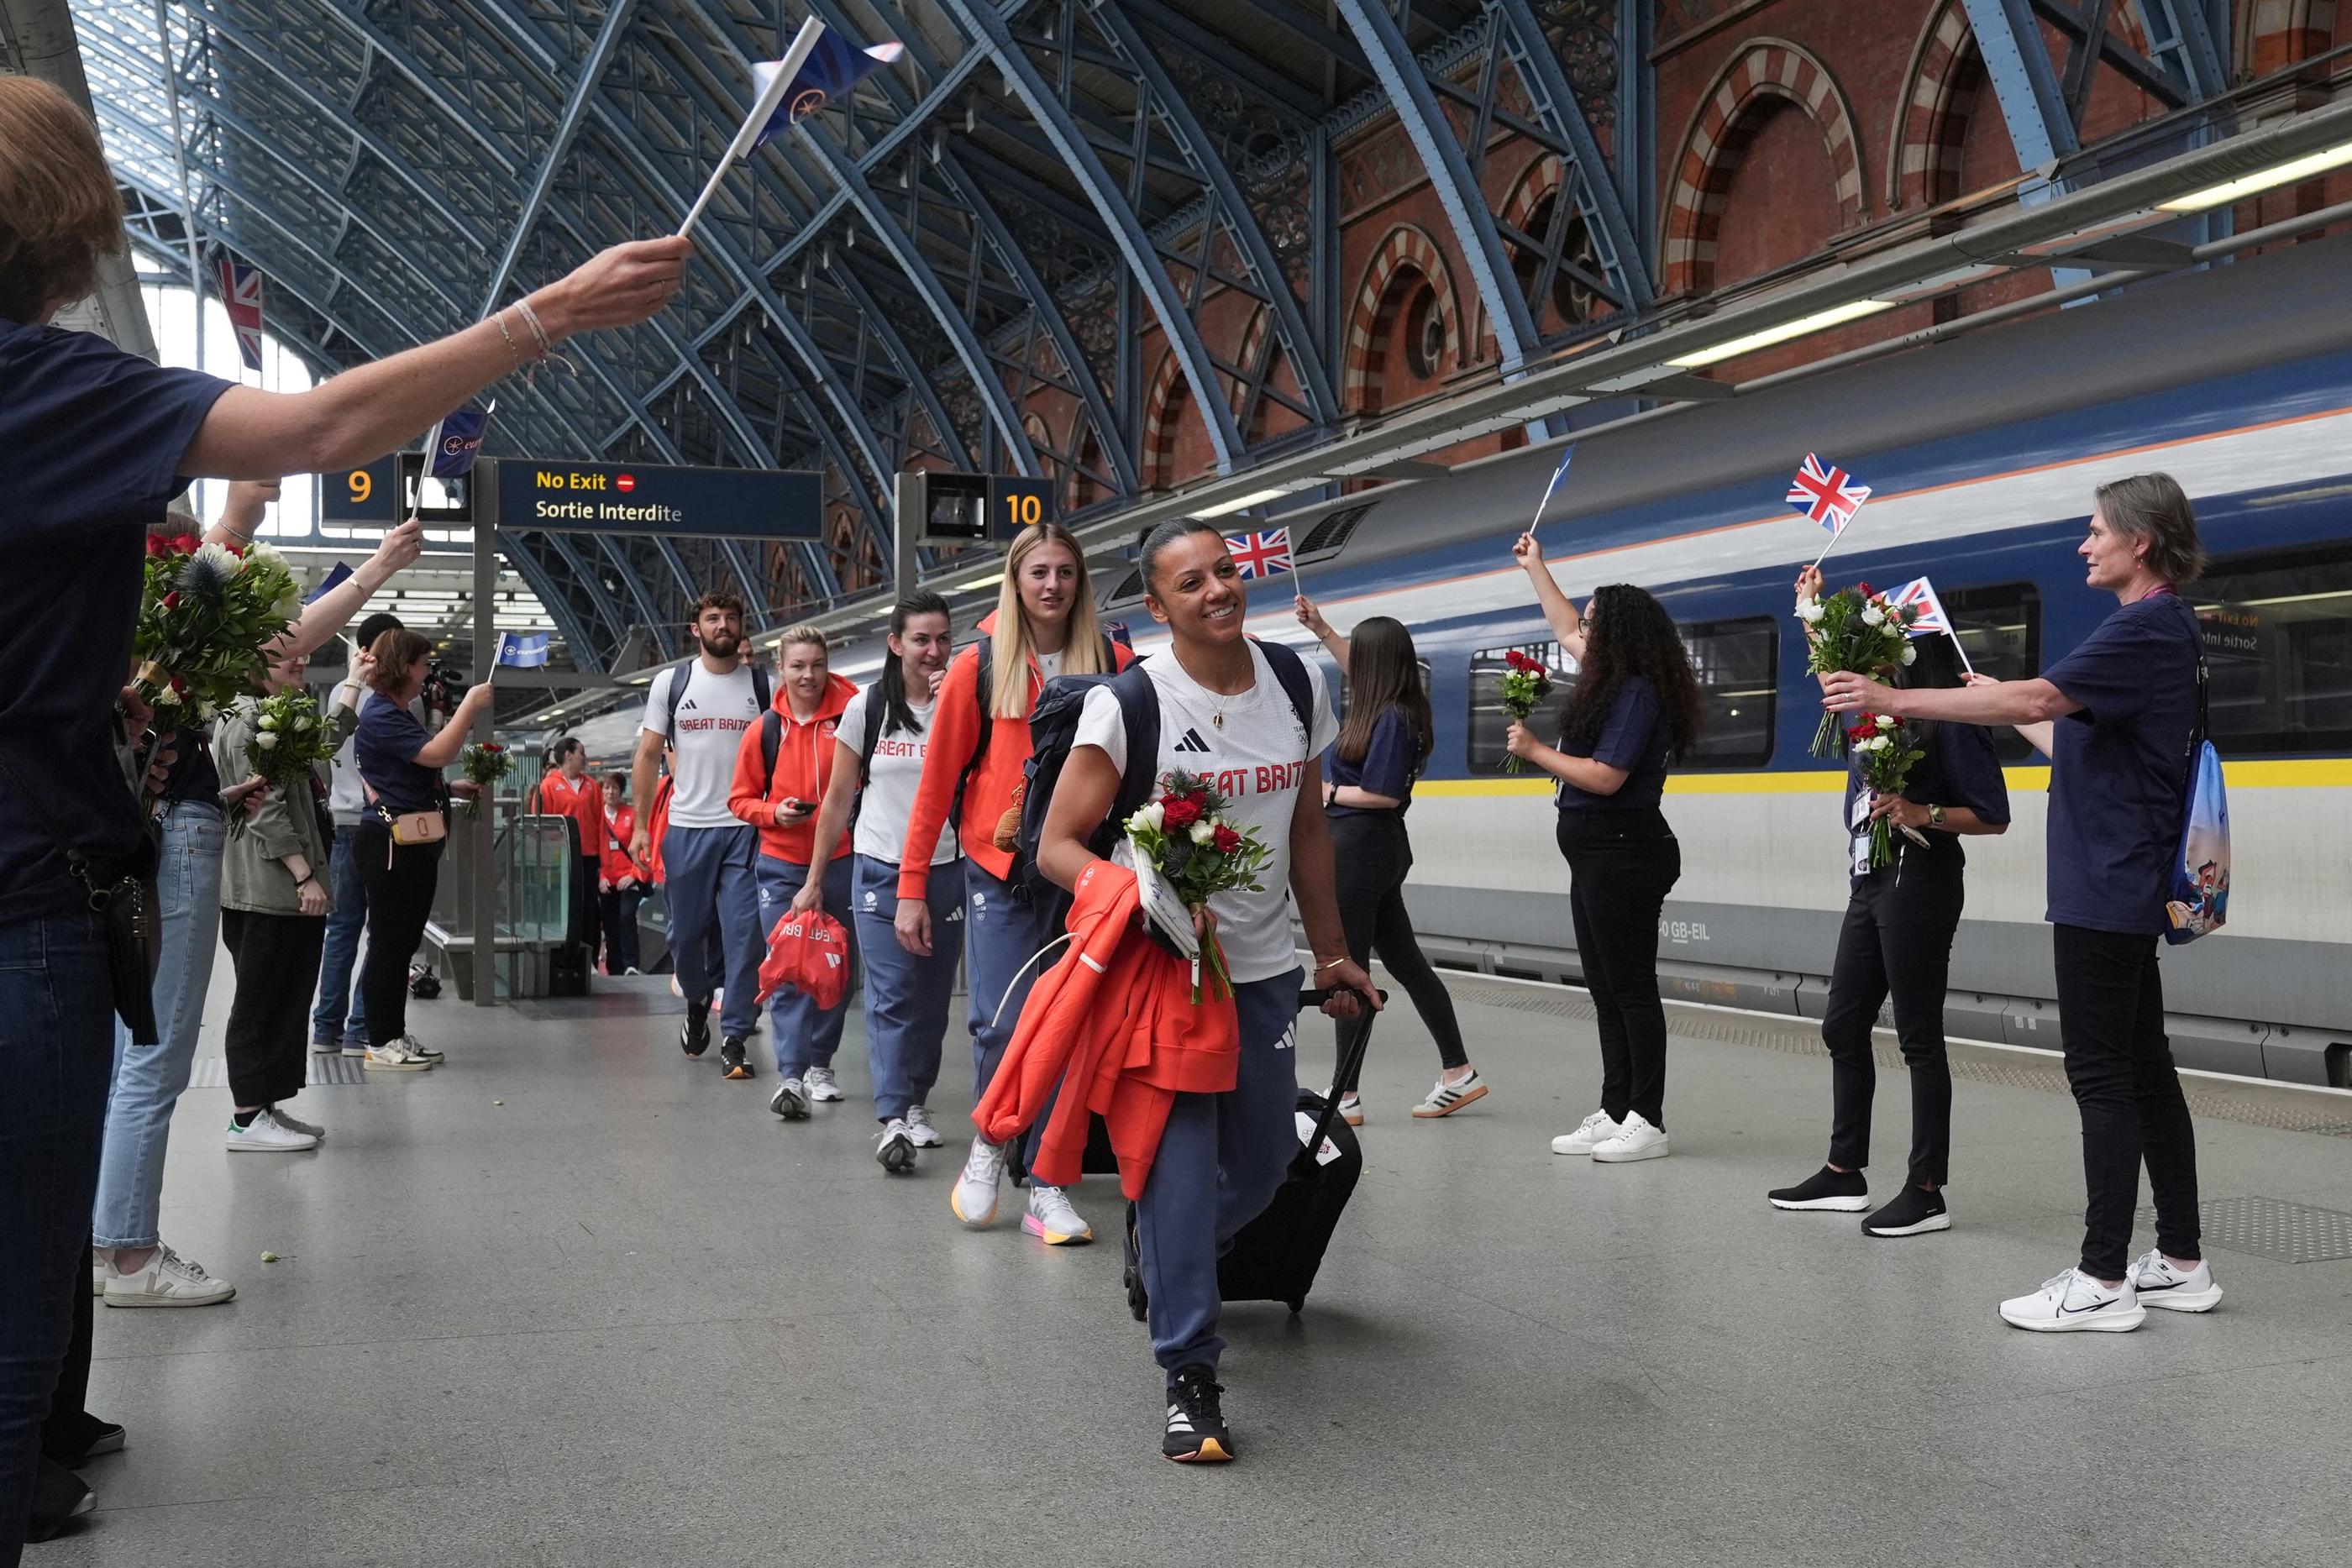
(1559,611)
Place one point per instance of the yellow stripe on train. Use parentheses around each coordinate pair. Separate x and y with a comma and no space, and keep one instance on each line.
(2298,773)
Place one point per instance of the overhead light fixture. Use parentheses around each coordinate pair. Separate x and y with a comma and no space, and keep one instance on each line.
(1819,321)
(983,582)
(2287,173)
(1243,503)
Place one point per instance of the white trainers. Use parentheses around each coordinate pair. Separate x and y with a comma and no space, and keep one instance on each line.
(1635,1140)
(415,1047)
(263,1136)
(1053,1221)
(2073,1302)
(394,1055)
(97,1273)
(1443,1099)
(290,1121)
(1351,1108)
(919,1129)
(822,1086)
(1590,1131)
(166,1279)
(2159,1284)
(894,1150)
(790,1099)
(973,1196)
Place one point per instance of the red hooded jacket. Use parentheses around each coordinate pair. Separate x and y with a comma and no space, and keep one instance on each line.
(1114,1024)
(803,765)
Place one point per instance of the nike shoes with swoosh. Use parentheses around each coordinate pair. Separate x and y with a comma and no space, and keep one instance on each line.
(2161,1285)
(2074,1302)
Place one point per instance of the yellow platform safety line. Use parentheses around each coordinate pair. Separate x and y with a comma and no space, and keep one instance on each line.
(2299,773)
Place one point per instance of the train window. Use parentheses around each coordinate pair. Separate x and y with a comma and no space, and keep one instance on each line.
(1488,722)
(1739,683)
(2000,627)
(2278,645)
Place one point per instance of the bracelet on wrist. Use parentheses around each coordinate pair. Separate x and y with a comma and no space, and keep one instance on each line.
(1330,962)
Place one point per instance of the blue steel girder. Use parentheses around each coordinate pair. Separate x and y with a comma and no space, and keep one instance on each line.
(1636,135)
(2032,99)
(2091,43)
(2183,40)
(980,23)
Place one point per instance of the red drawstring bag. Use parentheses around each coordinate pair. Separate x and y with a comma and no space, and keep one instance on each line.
(810,953)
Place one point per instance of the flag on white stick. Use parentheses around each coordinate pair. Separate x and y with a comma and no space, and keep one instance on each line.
(817,70)
(1558,474)
(1931,618)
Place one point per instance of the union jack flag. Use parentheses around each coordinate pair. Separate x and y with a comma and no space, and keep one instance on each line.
(240,292)
(1921,593)
(1261,554)
(1827,494)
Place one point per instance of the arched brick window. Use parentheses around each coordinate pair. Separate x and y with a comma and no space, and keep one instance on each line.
(1404,328)
(1939,99)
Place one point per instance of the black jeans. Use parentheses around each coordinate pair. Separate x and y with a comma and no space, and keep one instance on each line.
(1372,853)
(57,1057)
(1897,936)
(400,880)
(277,961)
(618,916)
(2119,1063)
(1621,865)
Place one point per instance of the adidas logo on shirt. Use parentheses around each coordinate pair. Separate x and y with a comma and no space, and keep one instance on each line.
(1192,742)
(687,706)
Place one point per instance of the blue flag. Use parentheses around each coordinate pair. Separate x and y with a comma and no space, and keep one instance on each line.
(335,579)
(457,442)
(833,70)
(522,650)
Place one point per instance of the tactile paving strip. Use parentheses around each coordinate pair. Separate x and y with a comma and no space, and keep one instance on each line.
(2258,1106)
(212,1071)
(2273,1228)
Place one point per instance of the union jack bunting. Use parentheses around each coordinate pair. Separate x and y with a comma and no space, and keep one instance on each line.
(1920,592)
(1827,494)
(240,292)
(1262,554)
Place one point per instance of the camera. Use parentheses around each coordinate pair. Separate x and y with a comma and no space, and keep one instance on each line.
(444,687)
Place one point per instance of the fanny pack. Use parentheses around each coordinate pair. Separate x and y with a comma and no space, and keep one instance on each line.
(408,828)
(131,913)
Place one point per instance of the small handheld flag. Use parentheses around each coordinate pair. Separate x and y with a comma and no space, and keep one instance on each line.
(815,70)
(1261,554)
(240,292)
(1558,474)
(458,441)
(1827,494)
(335,580)
(1920,593)
(522,650)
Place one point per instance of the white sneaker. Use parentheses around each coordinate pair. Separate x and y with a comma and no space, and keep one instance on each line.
(2073,1302)
(1635,1140)
(894,1150)
(292,1122)
(1443,1099)
(1351,1109)
(97,1273)
(1593,1130)
(823,1085)
(415,1047)
(2160,1284)
(790,1099)
(1053,1221)
(919,1128)
(264,1134)
(166,1279)
(394,1057)
(973,1196)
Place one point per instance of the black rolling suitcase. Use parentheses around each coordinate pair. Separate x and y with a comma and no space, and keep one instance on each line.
(1275,1256)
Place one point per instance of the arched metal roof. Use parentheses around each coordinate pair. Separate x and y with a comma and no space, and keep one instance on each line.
(1008,209)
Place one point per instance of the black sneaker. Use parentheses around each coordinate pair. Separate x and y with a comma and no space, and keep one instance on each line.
(59,1497)
(89,1439)
(1844,1191)
(731,1059)
(1914,1212)
(1196,1425)
(695,1038)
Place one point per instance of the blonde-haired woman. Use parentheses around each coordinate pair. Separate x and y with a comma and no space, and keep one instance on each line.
(1044,626)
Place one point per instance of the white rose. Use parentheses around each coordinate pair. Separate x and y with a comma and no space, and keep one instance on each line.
(1910,652)
(1810,612)
(167,697)
(1881,742)
(269,721)
(265,743)
(1152,816)
(305,722)
(1202,832)
(1886,720)
(205,713)
(1872,615)
(265,553)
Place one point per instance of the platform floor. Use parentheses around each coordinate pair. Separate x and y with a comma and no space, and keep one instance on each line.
(573,1299)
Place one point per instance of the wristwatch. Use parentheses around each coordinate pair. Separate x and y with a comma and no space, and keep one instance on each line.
(1935,816)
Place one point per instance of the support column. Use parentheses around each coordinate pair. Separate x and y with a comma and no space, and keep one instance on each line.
(485,825)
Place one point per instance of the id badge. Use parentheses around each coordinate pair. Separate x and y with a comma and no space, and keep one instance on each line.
(1858,822)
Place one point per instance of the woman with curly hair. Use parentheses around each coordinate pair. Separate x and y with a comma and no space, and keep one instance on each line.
(1633,709)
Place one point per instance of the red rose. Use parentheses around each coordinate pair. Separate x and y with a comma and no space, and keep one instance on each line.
(492,745)
(1865,589)
(172,599)
(1179,811)
(179,686)
(1225,839)
(185,544)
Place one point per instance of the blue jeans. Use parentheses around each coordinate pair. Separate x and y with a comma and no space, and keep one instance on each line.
(906,997)
(148,1079)
(714,893)
(1001,935)
(341,1015)
(56,1018)
(1221,1161)
(806,1035)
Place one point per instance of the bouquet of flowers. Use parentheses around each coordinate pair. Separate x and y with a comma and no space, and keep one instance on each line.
(1856,629)
(206,613)
(484,762)
(1888,752)
(1526,685)
(1184,834)
(290,739)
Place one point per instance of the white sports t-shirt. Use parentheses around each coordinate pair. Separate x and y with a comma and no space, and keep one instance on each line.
(891,782)
(713,712)
(1257,760)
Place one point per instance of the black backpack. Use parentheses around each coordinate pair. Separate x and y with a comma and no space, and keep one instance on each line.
(772,741)
(985,691)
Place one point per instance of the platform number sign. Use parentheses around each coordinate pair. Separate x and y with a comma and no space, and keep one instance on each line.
(361,495)
(1017,504)
(980,509)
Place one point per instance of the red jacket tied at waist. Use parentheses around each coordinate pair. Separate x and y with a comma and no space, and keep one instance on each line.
(1115,1024)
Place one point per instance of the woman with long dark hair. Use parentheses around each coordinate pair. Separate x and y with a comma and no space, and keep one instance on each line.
(1897,938)
(1633,710)
(1368,777)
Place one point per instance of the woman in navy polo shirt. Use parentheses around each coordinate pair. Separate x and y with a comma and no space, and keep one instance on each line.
(1368,785)
(2113,716)
(1633,709)
(97,441)
(1897,938)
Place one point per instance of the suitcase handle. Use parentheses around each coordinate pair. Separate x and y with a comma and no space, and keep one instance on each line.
(1350,1063)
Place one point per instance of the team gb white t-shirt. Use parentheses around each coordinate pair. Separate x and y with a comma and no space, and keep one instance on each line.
(1257,760)
(890,781)
(713,712)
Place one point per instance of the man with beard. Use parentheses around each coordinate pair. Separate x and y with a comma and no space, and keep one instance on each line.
(698,711)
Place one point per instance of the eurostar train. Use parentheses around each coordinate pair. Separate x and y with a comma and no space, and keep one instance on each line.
(1982,452)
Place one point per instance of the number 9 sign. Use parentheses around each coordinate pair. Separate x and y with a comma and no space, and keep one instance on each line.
(361,495)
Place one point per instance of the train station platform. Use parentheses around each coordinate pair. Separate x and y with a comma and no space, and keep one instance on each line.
(573,1299)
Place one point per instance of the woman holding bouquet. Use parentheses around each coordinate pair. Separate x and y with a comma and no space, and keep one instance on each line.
(1635,709)
(1897,937)
(1225,716)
